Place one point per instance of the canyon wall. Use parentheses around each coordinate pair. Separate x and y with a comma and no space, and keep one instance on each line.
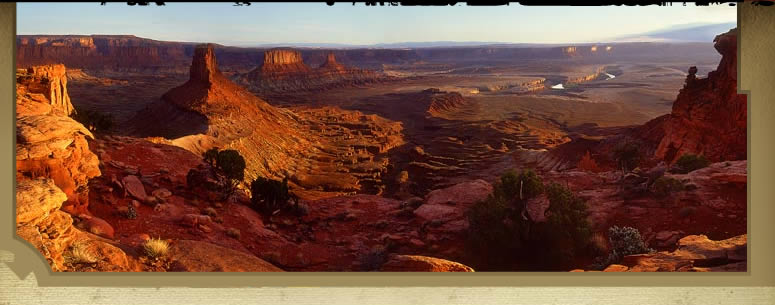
(124,53)
(127,53)
(709,117)
(48,142)
(53,167)
(51,81)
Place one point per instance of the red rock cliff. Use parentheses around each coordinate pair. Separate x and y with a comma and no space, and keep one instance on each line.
(49,144)
(709,117)
(51,81)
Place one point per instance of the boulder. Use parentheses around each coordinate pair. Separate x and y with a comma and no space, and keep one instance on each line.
(98,226)
(161,193)
(134,187)
(197,256)
(417,263)
(462,194)
(695,253)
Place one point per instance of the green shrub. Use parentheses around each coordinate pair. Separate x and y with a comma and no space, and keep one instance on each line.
(525,185)
(231,163)
(491,233)
(210,156)
(627,156)
(627,241)
(227,163)
(502,235)
(567,233)
(688,163)
(664,186)
(268,196)
(624,241)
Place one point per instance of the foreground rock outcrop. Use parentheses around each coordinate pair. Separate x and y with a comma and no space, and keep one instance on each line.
(344,233)
(695,253)
(49,143)
(40,221)
(709,117)
(51,81)
(417,263)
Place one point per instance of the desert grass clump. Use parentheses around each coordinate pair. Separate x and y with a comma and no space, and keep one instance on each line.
(627,156)
(80,253)
(664,186)
(156,248)
(689,162)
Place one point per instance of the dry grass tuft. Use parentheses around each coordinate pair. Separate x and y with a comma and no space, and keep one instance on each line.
(80,253)
(156,248)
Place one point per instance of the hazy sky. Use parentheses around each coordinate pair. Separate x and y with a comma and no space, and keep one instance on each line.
(360,24)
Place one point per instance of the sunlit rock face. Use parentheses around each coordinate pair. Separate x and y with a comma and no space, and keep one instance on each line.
(49,143)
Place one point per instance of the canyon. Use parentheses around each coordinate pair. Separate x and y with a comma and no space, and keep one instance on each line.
(387,151)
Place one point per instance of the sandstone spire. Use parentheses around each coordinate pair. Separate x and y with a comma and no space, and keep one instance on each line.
(331,63)
(204,66)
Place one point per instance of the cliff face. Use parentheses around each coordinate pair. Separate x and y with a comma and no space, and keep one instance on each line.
(49,143)
(283,70)
(708,116)
(51,81)
(53,168)
(126,53)
(282,61)
(102,52)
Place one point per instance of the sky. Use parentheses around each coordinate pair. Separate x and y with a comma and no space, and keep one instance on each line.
(345,23)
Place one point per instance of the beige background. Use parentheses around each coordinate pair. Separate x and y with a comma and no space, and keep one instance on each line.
(757,25)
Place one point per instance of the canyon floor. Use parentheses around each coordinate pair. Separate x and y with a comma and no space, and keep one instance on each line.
(476,139)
